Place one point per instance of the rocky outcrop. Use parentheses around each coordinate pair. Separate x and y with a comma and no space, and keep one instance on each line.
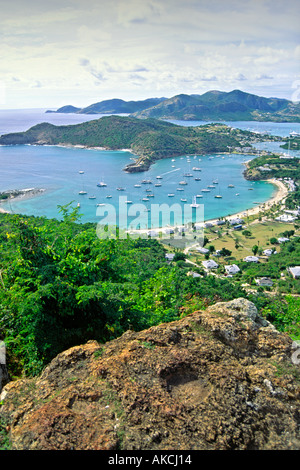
(217,379)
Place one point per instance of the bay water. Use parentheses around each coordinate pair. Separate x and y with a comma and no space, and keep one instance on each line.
(64,172)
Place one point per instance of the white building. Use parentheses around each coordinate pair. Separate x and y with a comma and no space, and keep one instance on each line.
(210,264)
(204,251)
(170,256)
(232,269)
(236,221)
(269,252)
(283,240)
(286,218)
(193,274)
(264,281)
(251,259)
(295,272)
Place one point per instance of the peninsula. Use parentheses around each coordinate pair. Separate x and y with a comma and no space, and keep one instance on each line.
(148,139)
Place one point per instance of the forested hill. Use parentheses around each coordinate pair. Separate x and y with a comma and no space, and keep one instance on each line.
(113,106)
(213,105)
(148,139)
(216,105)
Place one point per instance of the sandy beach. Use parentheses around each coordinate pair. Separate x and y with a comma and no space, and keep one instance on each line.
(281,194)
(20,194)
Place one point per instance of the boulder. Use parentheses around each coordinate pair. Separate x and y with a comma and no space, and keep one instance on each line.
(218,379)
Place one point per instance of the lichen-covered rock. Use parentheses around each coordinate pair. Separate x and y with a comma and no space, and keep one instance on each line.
(217,379)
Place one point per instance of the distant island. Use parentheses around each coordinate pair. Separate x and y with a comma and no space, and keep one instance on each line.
(114,106)
(211,106)
(148,139)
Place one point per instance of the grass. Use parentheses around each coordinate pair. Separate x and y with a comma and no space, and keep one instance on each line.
(260,235)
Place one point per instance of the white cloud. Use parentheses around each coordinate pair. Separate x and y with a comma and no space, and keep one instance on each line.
(169,46)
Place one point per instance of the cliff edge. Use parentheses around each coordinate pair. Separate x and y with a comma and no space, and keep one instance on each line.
(219,379)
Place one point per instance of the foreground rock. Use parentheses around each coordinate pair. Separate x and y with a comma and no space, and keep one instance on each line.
(218,379)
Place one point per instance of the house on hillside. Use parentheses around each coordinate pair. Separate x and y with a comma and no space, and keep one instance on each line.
(193,274)
(269,252)
(232,269)
(251,259)
(210,264)
(204,251)
(295,272)
(169,256)
(283,240)
(264,281)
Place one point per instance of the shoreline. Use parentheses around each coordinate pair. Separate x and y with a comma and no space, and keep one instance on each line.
(17,194)
(280,195)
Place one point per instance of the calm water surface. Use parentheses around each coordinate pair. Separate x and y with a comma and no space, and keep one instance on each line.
(58,171)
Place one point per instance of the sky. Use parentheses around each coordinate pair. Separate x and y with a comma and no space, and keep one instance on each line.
(79,52)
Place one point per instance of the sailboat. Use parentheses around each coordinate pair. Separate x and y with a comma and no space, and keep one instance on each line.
(218,196)
(82,192)
(194,204)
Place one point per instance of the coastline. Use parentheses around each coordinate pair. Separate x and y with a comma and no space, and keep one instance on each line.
(17,194)
(280,195)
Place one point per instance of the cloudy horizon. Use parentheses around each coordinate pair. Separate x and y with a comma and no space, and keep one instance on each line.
(74,52)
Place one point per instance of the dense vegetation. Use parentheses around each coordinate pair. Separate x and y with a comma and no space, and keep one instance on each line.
(272,166)
(287,256)
(292,143)
(60,285)
(215,105)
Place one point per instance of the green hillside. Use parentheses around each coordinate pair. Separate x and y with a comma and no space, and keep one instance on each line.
(148,139)
(233,106)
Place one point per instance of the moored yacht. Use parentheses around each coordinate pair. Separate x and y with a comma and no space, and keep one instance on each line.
(194,203)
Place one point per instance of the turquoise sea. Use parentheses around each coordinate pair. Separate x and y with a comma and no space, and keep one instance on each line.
(64,172)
